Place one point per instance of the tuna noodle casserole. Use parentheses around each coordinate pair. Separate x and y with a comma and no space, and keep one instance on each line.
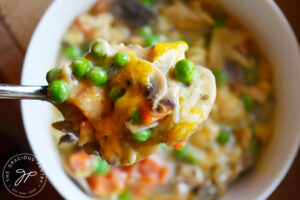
(224,146)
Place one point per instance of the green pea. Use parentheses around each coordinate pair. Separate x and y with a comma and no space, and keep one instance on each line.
(192,158)
(52,74)
(250,76)
(151,40)
(97,76)
(58,91)
(116,94)
(224,136)
(145,31)
(135,116)
(220,21)
(121,59)
(142,136)
(221,77)
(80,67)
(125,196)
(72,52)
(254,147)
(185,70)
(182,153)
(99,48)
(147,2)
(102,167)
(248,102)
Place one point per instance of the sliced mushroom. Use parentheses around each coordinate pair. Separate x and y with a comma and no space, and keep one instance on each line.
(92,148)
(159,87)
(234,71)
(137,128)
(133,12)
(66,127)
(68,138)
(70,112)
(172,99)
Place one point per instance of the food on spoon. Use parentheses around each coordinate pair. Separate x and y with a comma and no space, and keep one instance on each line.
(135,98)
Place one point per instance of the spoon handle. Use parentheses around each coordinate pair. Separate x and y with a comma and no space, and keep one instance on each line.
(23,92)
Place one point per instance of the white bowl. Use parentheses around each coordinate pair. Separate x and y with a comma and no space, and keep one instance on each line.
(267,23)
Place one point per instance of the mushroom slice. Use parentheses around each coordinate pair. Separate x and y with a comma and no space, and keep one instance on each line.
(137,128)
(68,138)
(159,87)
(133,12)
(172,99)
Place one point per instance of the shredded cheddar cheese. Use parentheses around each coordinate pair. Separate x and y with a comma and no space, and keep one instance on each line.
(197,111)
(176,48)
(181,130)
(136,70)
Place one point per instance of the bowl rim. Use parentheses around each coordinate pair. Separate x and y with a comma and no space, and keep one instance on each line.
(272,186)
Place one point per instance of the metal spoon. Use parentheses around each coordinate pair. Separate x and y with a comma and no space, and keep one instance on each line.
(71,113)
(23,92)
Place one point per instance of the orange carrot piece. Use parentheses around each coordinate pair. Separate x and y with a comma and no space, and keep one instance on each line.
(100,184)
(140,190)
(118,179)
(149,116)
(236,88)
(180,144)
(79,161)
(83,27)
(150,164)
(100,7)
(164,175)
(148,179)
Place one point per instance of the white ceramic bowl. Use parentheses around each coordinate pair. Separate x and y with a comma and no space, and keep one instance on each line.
(263,18)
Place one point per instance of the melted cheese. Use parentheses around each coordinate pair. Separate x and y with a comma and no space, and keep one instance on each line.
(176,48)
(137,70)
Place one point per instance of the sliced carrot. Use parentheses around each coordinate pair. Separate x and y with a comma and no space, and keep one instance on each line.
(151,163)
(118,179)
(143,190)
(153,171)
(244,47)
(80,161)
(149,179)
(100,7)
(180,144)
(100,184)
(164,174)
(83,27)
(149,116)
(140,190)
(129,169)
(236,88)
(146,167)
